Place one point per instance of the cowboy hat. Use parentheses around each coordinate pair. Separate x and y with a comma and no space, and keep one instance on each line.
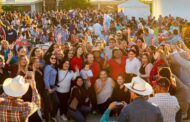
(139,86)
(15,87)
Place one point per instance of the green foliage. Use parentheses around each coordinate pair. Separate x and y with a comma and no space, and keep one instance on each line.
(73,4)
(7,8)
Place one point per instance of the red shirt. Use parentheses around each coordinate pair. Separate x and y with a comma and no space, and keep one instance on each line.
(95,67)
(76,62)
(155,69)
(117,69)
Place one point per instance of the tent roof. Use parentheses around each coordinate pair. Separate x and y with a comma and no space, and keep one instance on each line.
(132,3)
(19,2)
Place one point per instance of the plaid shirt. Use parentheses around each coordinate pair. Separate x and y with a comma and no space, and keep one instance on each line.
(16,110)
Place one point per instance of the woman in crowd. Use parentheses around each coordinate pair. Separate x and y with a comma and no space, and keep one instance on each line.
(104,88)
(160,60)
(17,69)
(50,74)
(116,64)
(146,67)
(79,101)
(166,72)
(70,54)
(120,92)
(65,77)
(77,60)
(3,72)
(132,65)
(37,52)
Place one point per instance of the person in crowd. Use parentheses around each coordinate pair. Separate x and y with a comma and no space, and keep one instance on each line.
(18,110)
(146,67)
(120,92)
(160,59)
(17,69)
(148,37)
(65,77)
(143,111)
(70,54)
(166,72)
(79,101)
(103,88)
(3,72)
(132,65)
(77,60)
(116,63)
(50,74)
(168,104)
(107,53)
(34,66)
(37,52)
(96,51)
(11,34)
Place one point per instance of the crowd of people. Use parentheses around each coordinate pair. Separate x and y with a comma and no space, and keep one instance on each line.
(68,64)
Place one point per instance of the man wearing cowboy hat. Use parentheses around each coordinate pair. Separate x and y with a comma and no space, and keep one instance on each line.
(14,109)
(139,110)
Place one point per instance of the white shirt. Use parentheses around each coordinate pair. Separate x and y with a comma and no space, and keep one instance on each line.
(106,91)
(97,29)
(132,66)
(64,80)
(168,105)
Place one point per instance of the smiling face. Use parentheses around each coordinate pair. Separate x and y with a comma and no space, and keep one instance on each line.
(79,82)
(79,51)
(53,59)
(23,61)
(66,65)
(38,52)
(37,63)
(120,80)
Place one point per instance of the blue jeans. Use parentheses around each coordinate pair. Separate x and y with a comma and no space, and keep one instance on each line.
(79,114)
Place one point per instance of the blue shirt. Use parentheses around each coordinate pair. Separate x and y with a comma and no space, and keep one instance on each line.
(140,111)
(50,74)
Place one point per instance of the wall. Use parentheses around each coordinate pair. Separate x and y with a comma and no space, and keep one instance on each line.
(176,8)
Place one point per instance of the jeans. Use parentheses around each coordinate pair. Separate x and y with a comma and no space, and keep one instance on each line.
(80,114)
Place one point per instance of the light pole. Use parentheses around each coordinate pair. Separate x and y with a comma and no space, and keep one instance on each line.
(44,5)
(57,4)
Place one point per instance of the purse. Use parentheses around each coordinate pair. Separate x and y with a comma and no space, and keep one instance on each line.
(74,103)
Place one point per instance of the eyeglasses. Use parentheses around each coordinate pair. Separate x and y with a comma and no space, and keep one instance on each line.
(53,58)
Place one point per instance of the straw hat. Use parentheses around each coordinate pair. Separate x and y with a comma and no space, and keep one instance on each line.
(15,87)
(139,86)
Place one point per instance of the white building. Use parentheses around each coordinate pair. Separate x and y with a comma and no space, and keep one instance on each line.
(35,5)
(176,8)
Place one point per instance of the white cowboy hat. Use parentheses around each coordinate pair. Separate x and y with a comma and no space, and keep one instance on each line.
(15,87)
(139,86)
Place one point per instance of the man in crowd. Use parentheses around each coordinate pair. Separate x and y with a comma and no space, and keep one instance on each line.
(168,104)
(14,109)
(139,110)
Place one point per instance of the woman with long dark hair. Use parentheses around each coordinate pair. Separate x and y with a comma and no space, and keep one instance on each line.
(77,60)
(79,101)
(50,74)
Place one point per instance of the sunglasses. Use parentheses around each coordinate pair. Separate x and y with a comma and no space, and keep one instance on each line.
(53,58)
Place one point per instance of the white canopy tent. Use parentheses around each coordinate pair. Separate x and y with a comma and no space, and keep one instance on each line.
(135,8)
(176,8)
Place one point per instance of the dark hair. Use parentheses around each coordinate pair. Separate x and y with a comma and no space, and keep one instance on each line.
(77,50)
(79,77)
(47,58)
(133,51)
(49,51)
(32,53)
(148,57)
(175,32)
(62,62)
(21,47)
(136,49)
(165,72)
(163,82)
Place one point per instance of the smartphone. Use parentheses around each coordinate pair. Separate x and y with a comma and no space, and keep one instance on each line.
(29,75)
(119,104)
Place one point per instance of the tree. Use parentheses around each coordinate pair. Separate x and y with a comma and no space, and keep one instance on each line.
(73,4)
